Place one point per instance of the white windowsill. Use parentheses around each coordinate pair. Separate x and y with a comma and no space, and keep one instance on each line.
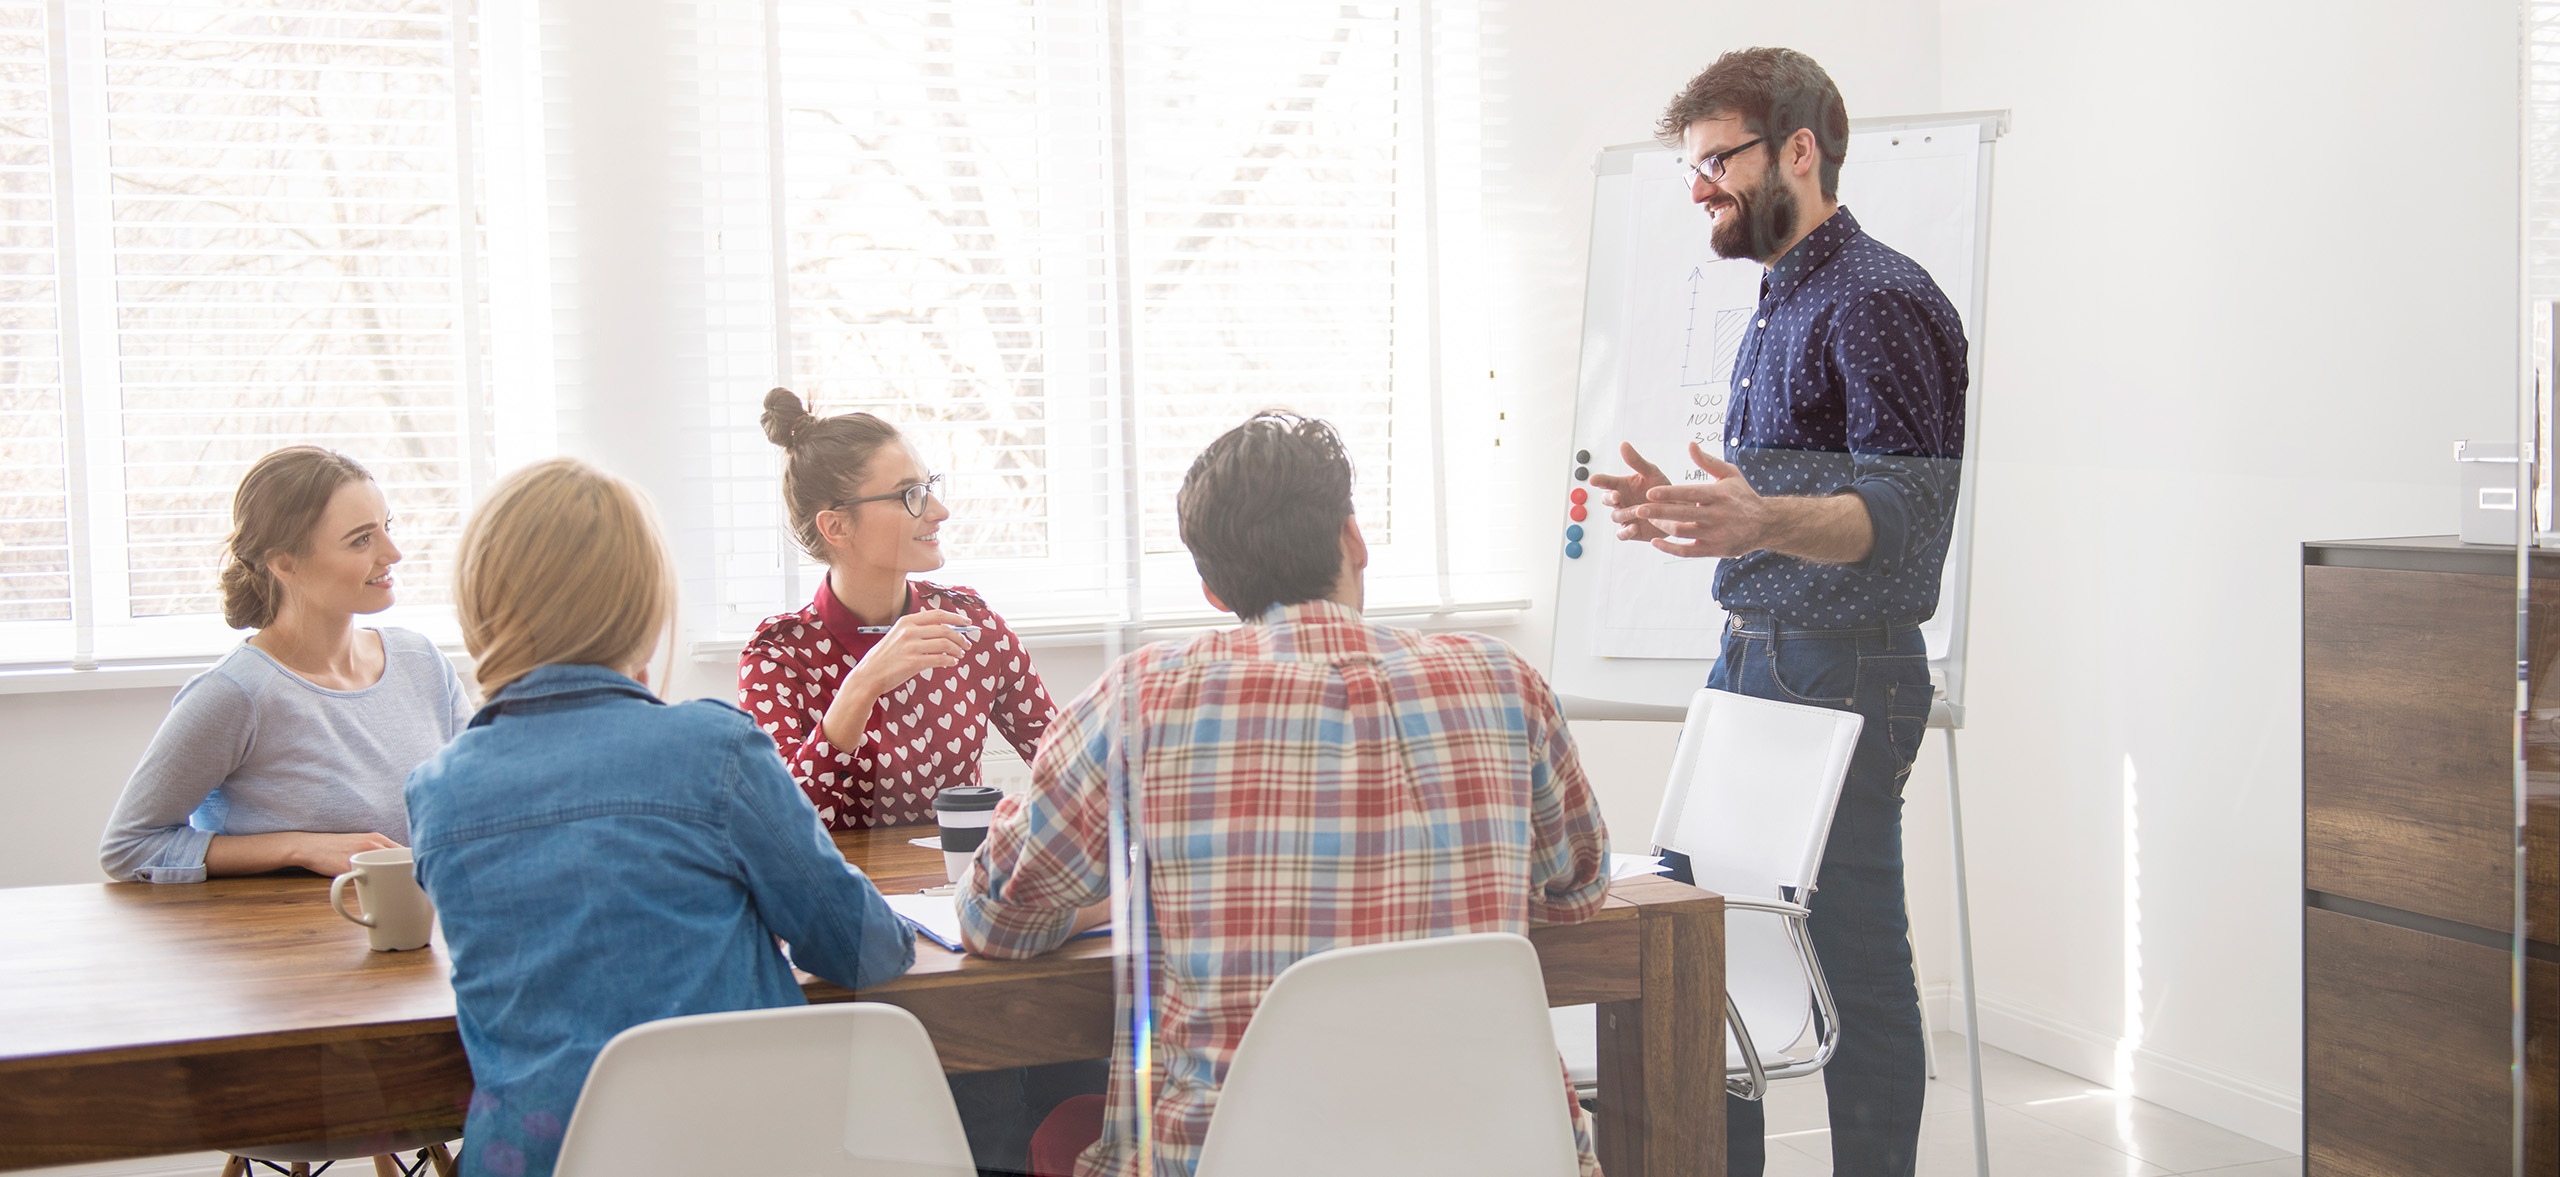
(173,671)
(1088,632)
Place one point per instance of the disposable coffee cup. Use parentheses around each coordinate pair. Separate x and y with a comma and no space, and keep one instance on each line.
(397,916)
(964,812)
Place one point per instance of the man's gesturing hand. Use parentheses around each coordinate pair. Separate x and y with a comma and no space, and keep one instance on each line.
(1626,492)
(1723,517)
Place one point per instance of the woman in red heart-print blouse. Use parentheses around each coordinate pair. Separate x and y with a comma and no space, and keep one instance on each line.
(872,725)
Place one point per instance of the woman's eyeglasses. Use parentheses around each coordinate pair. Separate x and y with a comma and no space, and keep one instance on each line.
(912,497)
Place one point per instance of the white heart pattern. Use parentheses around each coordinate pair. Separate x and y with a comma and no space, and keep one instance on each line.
(825,645)
(765,666)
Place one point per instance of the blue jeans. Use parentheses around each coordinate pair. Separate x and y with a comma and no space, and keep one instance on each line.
(1878,1077)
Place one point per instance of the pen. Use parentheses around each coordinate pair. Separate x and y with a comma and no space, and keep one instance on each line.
(970,630)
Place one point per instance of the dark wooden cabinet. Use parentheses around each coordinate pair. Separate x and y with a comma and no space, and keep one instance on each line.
(2409,659)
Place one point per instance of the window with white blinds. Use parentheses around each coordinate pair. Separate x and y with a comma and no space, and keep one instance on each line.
(946,241)
(1061,243)
(267,210)
(1065,243)
(35,533)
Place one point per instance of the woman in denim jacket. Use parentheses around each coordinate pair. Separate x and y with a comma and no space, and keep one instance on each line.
(600,858)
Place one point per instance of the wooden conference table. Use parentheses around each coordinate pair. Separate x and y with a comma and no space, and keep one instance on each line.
(138,1020)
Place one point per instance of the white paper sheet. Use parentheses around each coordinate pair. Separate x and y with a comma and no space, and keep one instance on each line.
(1691,311)
(1634,866)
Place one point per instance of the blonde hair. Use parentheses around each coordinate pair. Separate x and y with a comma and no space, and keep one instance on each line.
(562,564)
(279,501)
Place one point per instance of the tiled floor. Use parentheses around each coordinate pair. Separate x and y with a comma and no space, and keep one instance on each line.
(2043,1123)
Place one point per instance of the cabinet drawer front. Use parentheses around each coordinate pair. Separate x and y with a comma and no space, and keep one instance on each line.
(2405,1052)
(2408,698)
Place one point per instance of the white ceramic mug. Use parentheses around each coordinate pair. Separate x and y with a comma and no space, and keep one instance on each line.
(397,916)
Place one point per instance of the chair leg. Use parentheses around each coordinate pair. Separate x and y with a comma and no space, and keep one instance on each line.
(234,1166)
(302,1169)
(386,1166)
(441,1159)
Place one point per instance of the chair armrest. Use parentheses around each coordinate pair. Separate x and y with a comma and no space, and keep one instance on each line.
(1772,906)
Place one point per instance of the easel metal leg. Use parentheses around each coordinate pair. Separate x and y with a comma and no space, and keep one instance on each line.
(1964,951)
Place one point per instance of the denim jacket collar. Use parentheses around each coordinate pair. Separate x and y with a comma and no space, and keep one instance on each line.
(560,684)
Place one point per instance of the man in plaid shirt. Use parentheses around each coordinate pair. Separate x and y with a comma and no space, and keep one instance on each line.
(1311,781)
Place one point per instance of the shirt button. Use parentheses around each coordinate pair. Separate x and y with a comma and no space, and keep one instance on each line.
(1764,322)
(1746,382)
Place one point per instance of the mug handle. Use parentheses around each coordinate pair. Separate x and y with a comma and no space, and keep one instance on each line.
(337,898)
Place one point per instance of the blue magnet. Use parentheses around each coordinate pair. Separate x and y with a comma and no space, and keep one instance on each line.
(1573,551)
(1573,532)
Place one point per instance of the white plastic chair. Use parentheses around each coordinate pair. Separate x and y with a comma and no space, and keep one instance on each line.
(1753,787)
(812,1091)
(1387,1060)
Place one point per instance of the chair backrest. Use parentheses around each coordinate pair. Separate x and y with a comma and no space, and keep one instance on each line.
(1753,786)
(1752,789)
(1416,1056)
(813,1091)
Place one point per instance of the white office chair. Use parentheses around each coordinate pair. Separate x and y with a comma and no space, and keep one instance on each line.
(1752,790)
(1386,1060)
(850,1090)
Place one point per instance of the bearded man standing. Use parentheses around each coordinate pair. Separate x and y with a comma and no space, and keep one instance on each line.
(1845,427)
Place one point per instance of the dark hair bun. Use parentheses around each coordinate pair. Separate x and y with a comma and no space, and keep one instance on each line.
(784,417)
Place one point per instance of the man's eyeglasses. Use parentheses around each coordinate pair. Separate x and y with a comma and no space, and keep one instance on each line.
(912,498)
(1710,168)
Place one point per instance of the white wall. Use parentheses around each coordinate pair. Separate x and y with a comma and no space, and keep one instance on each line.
(2253,270)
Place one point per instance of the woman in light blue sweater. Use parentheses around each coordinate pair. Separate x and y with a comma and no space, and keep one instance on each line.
(292,750)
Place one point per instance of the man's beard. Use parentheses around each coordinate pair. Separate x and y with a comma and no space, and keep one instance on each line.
(1760,225)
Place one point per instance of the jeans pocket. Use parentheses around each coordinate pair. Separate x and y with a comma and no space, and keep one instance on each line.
(1814,670)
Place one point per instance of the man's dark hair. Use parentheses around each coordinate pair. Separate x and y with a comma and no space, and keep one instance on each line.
(1775,92)
(1262,511)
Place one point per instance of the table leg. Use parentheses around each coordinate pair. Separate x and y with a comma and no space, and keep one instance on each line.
(1662,1055)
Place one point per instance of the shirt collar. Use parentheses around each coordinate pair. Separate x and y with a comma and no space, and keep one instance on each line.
(1819,246)
(840,620)
(561,680)
(1317,631)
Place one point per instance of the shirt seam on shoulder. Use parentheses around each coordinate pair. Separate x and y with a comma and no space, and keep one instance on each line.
(580,812)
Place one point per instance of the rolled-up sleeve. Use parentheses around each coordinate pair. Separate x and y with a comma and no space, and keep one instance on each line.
(1905,420)
(824,907)
(1046,853)
(202,742)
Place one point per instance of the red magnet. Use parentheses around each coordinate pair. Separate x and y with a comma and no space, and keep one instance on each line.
(1580,496)
(1578,514)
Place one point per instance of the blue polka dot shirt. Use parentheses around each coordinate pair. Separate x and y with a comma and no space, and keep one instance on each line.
(1851,378)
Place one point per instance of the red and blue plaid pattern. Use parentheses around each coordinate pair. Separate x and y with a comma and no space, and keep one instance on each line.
(1311,781)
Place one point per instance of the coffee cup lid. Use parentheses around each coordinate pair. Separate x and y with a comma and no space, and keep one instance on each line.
(963,798)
